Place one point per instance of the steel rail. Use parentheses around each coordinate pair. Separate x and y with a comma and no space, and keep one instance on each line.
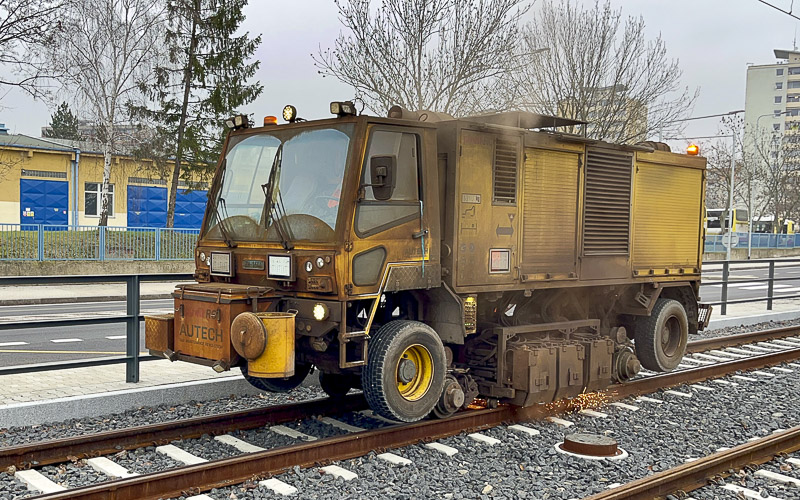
(56,451)
(693,475)
(220,473)
(741,338)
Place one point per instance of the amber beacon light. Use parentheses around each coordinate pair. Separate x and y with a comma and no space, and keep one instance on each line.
(692,150)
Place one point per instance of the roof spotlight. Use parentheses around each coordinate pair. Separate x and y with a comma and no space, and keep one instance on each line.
(693,150)
(343,108)
(289,113)
(237,122)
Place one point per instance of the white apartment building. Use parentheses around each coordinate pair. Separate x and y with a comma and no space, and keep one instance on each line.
(772,99)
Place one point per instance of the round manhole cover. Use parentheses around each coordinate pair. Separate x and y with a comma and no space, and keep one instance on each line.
(593,445)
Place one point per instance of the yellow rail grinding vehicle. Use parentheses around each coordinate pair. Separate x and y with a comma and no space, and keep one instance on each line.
(429,260)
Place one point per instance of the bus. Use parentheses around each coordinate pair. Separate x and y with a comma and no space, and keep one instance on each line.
(766,224)
(716,217)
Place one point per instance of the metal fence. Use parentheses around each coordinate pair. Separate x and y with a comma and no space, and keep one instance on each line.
(46,242)
(768,283)
(131,318)
(717,243)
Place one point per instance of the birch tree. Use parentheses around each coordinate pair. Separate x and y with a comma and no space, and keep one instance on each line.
(26,25)
(451,56)
(106,48)
(600,68)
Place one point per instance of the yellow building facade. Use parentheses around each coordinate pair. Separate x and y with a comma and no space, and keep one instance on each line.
(47,182)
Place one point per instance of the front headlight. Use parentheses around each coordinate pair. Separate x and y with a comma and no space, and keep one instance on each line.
(320,262)
(320,312)
(202,257)
(309,266)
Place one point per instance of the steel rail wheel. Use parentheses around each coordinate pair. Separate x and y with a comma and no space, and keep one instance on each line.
(405,370)
(301,371)
(661,338)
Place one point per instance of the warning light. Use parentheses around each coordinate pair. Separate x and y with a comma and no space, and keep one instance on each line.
(693,150)
(270,120)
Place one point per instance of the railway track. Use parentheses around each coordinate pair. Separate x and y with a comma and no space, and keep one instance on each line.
(771,347)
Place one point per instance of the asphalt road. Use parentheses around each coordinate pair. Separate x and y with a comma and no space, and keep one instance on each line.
(41,345)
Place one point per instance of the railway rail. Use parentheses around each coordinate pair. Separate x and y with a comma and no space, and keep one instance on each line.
(226,472)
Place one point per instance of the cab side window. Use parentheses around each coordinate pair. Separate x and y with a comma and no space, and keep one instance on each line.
(374,216)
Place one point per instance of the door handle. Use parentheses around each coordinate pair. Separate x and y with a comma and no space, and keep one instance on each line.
(420,234)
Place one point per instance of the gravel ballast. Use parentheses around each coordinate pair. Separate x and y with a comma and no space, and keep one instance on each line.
(657,437)
(151,415)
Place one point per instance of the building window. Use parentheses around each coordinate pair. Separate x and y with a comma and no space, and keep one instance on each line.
(779,72)
(776,126)
(93,200)
(794,71)
(777,112)
(777,99)
(793,98)
(778,85)
(793,85)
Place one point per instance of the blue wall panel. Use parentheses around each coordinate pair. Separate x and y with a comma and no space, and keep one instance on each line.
(43,202)
(147,206)
(189,209)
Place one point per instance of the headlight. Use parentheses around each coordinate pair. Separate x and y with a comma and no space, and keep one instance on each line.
(208,261)
(309,266)
(202,256)
(289,113)
(320,262)
(320,312)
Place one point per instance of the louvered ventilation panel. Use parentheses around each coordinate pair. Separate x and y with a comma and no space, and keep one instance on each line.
(607,206)
(504,180)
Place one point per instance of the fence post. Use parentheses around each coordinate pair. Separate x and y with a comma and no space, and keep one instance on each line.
(725,272)
(101,244)
(158,243)
(770,285)
(40,242)
(132,337)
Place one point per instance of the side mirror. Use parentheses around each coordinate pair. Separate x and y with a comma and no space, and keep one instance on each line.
(381,173)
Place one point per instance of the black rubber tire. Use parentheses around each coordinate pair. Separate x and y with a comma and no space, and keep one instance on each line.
(301,371)
(379,377)
(670,315)
(337,385)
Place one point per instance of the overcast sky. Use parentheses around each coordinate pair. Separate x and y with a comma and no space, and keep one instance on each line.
(714,41)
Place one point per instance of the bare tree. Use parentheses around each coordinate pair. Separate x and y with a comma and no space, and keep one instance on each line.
(105,50)
(450,56)
(602,69)
(24,26)
(776,156)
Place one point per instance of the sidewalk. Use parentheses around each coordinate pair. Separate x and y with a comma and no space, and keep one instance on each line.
(94,292)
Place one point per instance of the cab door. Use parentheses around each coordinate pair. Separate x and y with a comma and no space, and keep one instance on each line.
(391,237)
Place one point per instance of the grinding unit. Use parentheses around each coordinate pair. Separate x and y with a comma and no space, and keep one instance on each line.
(430,260)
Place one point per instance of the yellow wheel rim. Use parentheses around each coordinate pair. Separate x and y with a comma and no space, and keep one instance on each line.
(414,372)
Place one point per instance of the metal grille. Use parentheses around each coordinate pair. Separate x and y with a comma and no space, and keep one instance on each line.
(144,180)
(504,178)
(44,173)
(607,212)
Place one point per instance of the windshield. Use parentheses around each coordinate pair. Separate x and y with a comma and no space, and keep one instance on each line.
(308,184)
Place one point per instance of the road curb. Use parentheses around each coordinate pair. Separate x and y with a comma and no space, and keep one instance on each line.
(106,403)
(90,405)
(725,322)
(70,300)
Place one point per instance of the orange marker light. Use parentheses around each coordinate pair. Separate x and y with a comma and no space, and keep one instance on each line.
(692,150)
(270,120)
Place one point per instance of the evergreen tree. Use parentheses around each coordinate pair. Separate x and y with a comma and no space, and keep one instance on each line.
(202,80)
(63,124)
